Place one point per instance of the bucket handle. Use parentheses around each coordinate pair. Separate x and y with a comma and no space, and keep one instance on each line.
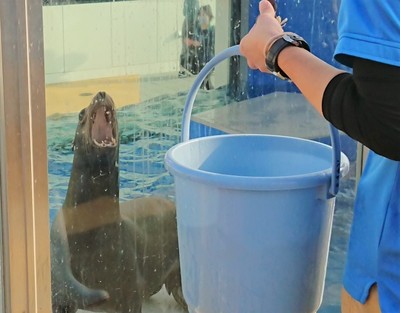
(187,112)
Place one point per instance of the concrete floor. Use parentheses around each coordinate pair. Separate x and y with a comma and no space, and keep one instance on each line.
(159,303)
(73,96)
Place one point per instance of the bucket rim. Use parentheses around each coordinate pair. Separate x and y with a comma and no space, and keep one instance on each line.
(256,183)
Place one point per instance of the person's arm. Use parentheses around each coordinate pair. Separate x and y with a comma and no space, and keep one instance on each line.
(363,104)
(299,64)
(310,74)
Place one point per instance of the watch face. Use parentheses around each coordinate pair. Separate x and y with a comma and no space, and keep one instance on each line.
(288,38)
(294,39)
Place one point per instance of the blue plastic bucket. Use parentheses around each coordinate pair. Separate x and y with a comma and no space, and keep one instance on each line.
(254,217)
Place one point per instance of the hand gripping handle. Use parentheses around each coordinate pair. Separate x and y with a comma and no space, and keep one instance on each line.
(187,112)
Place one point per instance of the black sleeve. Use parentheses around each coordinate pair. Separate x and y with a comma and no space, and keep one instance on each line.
(366,106)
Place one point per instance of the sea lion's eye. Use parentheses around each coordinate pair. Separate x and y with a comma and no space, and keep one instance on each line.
(93,117)
(81,114)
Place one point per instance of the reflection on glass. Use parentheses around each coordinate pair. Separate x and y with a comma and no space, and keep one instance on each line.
(117,75)
(114,236)
(198,41)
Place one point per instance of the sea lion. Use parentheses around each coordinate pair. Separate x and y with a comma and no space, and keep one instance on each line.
(68,294)
(127,250)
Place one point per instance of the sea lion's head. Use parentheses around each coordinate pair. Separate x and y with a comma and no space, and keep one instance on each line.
(93,188)
(97,127)
(96,143)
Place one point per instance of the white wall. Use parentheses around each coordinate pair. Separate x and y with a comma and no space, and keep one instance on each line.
(222,35)
(94,40)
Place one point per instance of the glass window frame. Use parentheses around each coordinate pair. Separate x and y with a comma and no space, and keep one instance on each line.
(23,159)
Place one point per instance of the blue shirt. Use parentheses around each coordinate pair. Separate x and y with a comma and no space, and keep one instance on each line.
(370,29)
(364,260)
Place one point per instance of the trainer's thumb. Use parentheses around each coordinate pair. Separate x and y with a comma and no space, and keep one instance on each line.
(266,7)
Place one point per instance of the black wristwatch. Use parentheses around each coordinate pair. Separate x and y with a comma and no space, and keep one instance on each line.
(287,39)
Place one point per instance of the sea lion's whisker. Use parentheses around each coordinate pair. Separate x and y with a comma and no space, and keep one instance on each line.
(98,176)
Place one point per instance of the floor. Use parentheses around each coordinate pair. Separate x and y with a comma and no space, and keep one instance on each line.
(159,303)
(73,96)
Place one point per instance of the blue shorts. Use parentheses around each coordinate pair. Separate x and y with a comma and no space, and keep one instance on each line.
(374,246)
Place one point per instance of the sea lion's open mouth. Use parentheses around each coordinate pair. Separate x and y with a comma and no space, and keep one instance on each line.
(98,123)
(102,132)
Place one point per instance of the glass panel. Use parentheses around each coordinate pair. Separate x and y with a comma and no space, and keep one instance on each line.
(130,65)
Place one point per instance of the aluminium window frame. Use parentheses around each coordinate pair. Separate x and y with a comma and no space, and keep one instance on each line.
(23,160)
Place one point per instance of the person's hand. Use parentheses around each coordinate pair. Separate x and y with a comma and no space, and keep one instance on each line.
(253,46)
(192,43)
(196,43)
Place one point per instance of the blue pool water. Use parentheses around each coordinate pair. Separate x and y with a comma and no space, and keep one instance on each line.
(147,131)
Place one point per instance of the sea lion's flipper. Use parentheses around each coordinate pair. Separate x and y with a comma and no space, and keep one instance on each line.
(174,286)
(178,296)
(68,294)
